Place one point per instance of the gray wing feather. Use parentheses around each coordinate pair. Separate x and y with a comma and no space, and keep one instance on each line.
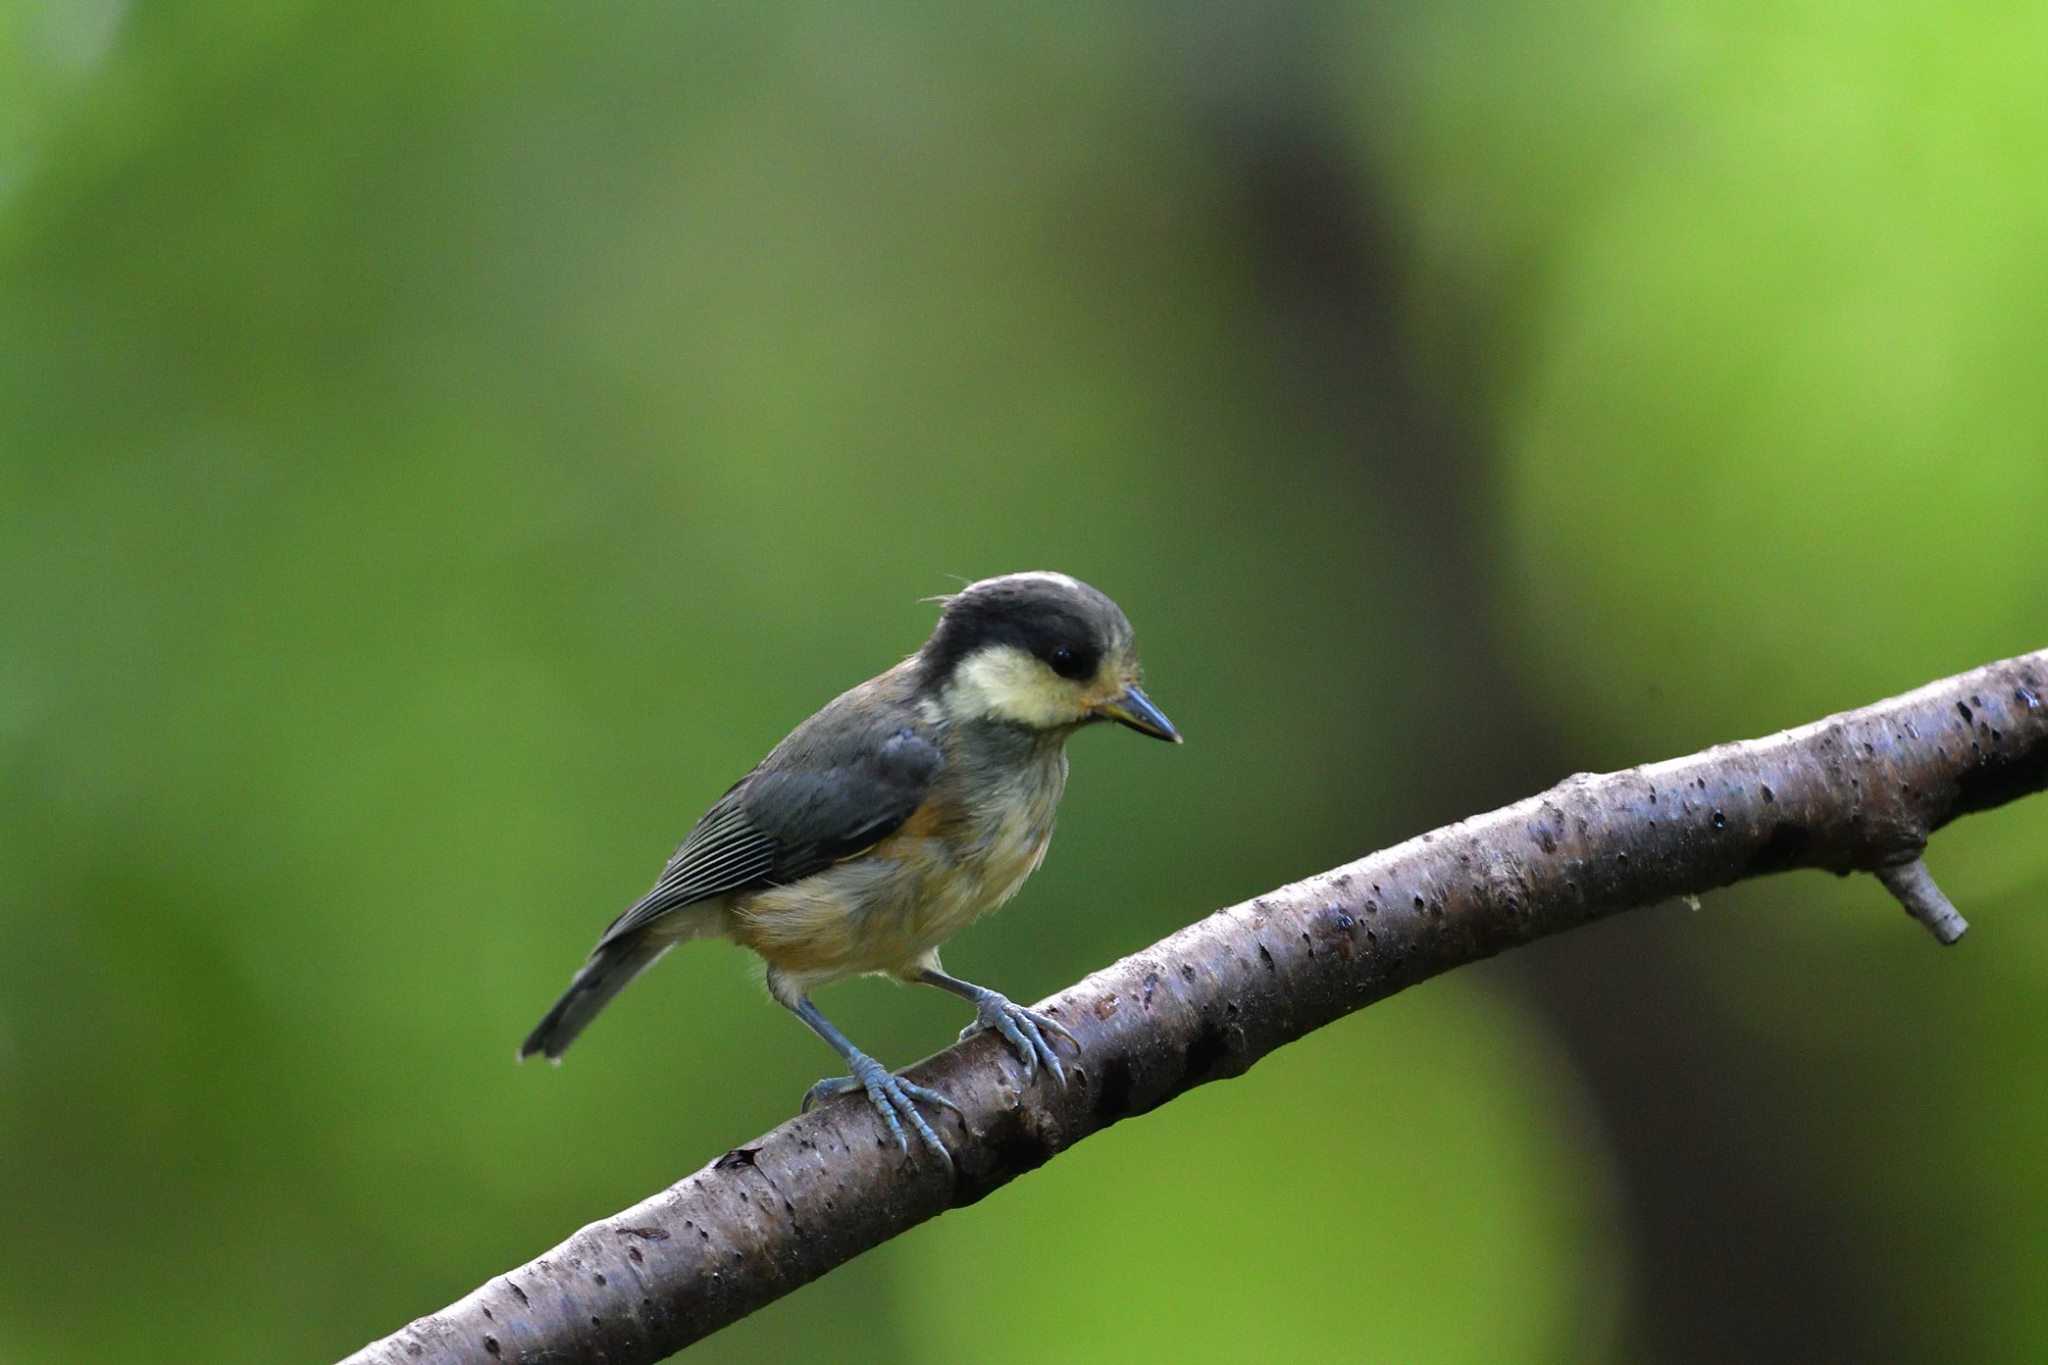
(845,779)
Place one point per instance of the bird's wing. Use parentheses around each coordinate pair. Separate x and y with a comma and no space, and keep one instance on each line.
(846,779)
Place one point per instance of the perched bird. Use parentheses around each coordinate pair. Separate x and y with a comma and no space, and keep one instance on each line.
(890,820)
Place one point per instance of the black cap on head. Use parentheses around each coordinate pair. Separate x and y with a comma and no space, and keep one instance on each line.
(1060,620)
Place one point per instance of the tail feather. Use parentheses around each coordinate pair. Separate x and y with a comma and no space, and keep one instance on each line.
(610,969)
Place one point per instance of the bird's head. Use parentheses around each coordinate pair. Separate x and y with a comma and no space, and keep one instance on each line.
(1040,650)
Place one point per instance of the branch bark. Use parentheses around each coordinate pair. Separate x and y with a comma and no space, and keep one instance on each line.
(1858,792)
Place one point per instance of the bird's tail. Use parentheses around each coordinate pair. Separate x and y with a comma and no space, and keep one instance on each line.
(610,969)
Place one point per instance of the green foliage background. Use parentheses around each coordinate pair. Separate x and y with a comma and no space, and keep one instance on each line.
(442,446)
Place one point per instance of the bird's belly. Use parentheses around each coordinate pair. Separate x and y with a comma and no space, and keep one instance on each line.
(883,911)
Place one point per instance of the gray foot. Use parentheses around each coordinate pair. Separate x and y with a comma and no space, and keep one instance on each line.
(1023,1029)
(892,1096)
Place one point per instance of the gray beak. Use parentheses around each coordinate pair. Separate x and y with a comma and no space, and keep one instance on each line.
(1136,710)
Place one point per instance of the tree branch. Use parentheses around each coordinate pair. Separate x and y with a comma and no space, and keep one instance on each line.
(1858,792)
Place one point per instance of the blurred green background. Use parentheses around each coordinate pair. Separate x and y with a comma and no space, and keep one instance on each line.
(444,446)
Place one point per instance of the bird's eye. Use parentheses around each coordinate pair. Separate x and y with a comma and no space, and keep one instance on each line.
(1068,662)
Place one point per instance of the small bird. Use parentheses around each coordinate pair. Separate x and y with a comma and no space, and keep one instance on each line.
(904,810)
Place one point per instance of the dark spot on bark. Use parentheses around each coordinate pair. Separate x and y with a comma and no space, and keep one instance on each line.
(413,1348)
(1204,1051)
(1018,1147)
(1964,708)
(491,1344)
(737,1157)
(1720,820)
(1985,786)
(1418,901)
(1335,928)
(1266,958)
(1545,837)
(598,1276)
(651,1234)
(1788,843)
(1187,971)
(1113,1100)
(1151,985)
(517,1292)
(1768,795)
(487,1312)
(633,1255)
(1621,858)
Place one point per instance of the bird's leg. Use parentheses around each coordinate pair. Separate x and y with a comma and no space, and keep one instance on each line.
(893,1097)
(1023,1029)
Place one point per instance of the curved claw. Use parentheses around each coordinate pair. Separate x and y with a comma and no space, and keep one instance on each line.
(894,1098)
(1024,1030)
(1046,1021)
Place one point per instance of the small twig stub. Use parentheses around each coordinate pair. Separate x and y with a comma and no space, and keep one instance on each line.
(1914,886)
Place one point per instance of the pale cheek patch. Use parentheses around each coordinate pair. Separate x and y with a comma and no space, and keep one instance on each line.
(1005,682)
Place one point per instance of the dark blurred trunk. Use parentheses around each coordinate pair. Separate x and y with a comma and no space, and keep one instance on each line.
(1731,1260)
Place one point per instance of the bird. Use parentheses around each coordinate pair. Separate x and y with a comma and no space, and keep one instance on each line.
(903,810)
